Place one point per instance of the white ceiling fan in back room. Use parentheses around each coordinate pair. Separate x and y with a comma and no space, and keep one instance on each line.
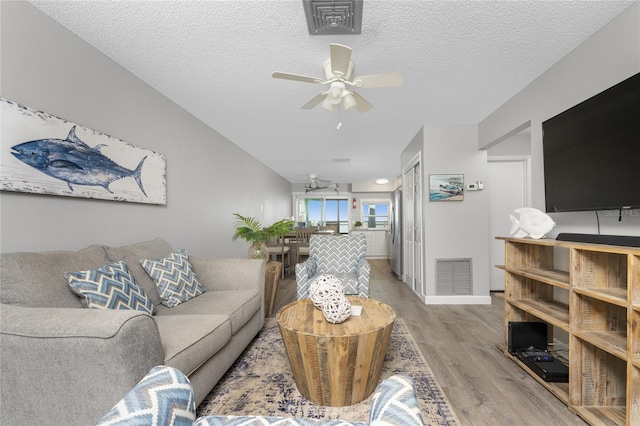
(338,70)
(315,183)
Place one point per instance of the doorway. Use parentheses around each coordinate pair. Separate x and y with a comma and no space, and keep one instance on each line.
(507,181)
(509,186)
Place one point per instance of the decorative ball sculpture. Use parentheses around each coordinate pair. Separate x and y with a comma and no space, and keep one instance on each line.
(326,293)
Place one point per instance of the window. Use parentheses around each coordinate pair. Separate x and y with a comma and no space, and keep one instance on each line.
(331,213)
(375,214)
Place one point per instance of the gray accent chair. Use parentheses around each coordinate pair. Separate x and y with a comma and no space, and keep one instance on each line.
(344,256)
(166,397)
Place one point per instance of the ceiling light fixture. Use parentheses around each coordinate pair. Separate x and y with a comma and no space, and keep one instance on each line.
(382,181)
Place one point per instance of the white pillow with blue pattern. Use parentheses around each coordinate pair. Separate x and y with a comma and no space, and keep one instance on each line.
(174,277)
(110,287)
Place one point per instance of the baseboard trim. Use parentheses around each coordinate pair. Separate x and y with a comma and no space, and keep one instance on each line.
(457,300)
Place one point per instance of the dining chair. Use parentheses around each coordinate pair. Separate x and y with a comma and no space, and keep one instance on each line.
(302,242)
(278,248)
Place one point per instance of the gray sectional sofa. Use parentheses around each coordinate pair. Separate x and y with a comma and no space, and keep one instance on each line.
(61,363)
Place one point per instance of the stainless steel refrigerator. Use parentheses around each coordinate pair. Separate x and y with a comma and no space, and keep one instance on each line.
(395,231)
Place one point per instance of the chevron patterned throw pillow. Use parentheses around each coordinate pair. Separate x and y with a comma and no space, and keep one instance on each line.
(174,277)
(110,287)
(163,397)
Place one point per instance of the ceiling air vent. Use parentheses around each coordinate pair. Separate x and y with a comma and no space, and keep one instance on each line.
(326,17)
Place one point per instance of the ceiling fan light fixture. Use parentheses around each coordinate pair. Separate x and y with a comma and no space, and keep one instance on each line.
(338,68)
(336,91)
(348,101)
(328,104)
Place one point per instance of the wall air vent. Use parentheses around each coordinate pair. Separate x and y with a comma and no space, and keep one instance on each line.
(453,277)
(326,17)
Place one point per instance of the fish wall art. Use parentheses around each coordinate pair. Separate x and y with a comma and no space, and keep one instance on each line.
(44,154)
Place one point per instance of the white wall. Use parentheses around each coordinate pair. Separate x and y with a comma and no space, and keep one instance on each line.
(46,67)
(455,229)
(606,58)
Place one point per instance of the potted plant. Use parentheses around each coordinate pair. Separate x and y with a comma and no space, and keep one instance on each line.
(358,224)
(250,230)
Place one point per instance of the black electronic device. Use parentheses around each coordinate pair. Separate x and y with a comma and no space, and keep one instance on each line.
(548,370)
(591,152)
(526,334)
(614,240)
(536,355)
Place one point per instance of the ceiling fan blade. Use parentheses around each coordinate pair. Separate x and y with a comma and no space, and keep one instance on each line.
(340,59)
(390,79)
(315,101)
(297,77)
(361,104)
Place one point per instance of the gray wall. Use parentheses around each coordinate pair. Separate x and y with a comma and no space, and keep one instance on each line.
(48,68)
(606,58)
(453,230)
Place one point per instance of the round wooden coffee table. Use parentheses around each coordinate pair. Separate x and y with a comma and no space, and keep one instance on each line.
(336,364)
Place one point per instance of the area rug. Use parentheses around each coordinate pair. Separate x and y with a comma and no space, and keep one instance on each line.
(261,383)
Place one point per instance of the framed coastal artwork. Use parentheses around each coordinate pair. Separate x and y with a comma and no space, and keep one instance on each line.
(446,187)
(44,154)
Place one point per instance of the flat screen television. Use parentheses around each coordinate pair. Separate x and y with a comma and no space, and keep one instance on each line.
(592,152)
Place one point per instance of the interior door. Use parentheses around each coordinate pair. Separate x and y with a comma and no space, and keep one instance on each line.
(408,232)
(417,231)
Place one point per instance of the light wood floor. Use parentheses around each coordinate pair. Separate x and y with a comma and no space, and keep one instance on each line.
(459,343)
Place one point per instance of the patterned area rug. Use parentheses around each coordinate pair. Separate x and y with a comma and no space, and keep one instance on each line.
(261,383)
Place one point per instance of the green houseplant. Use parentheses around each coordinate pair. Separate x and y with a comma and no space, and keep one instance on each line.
(250,230)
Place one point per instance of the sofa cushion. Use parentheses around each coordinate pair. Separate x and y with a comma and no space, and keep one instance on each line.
(239,305)
(37,279)
(109,287)
(190,340)
(154,249)
(174,277)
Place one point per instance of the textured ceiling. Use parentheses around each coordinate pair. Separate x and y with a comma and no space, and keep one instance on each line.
(460,61)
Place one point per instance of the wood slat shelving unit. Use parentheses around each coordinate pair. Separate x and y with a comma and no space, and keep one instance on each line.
(602,319)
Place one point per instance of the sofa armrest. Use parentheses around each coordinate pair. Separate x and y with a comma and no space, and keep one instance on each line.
(229,274)
(363,267)
(304,272)
(394,402)
(164,397)
(70,365)
(363,272)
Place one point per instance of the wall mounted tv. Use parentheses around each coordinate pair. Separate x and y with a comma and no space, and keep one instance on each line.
(592,152)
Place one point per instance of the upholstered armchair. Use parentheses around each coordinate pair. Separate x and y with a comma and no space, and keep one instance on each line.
(343,256)
(164,397)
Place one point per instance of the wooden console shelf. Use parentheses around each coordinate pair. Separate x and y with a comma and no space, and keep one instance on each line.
(602,320)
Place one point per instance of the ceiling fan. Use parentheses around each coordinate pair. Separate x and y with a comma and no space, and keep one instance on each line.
(338,70)
(315,184)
